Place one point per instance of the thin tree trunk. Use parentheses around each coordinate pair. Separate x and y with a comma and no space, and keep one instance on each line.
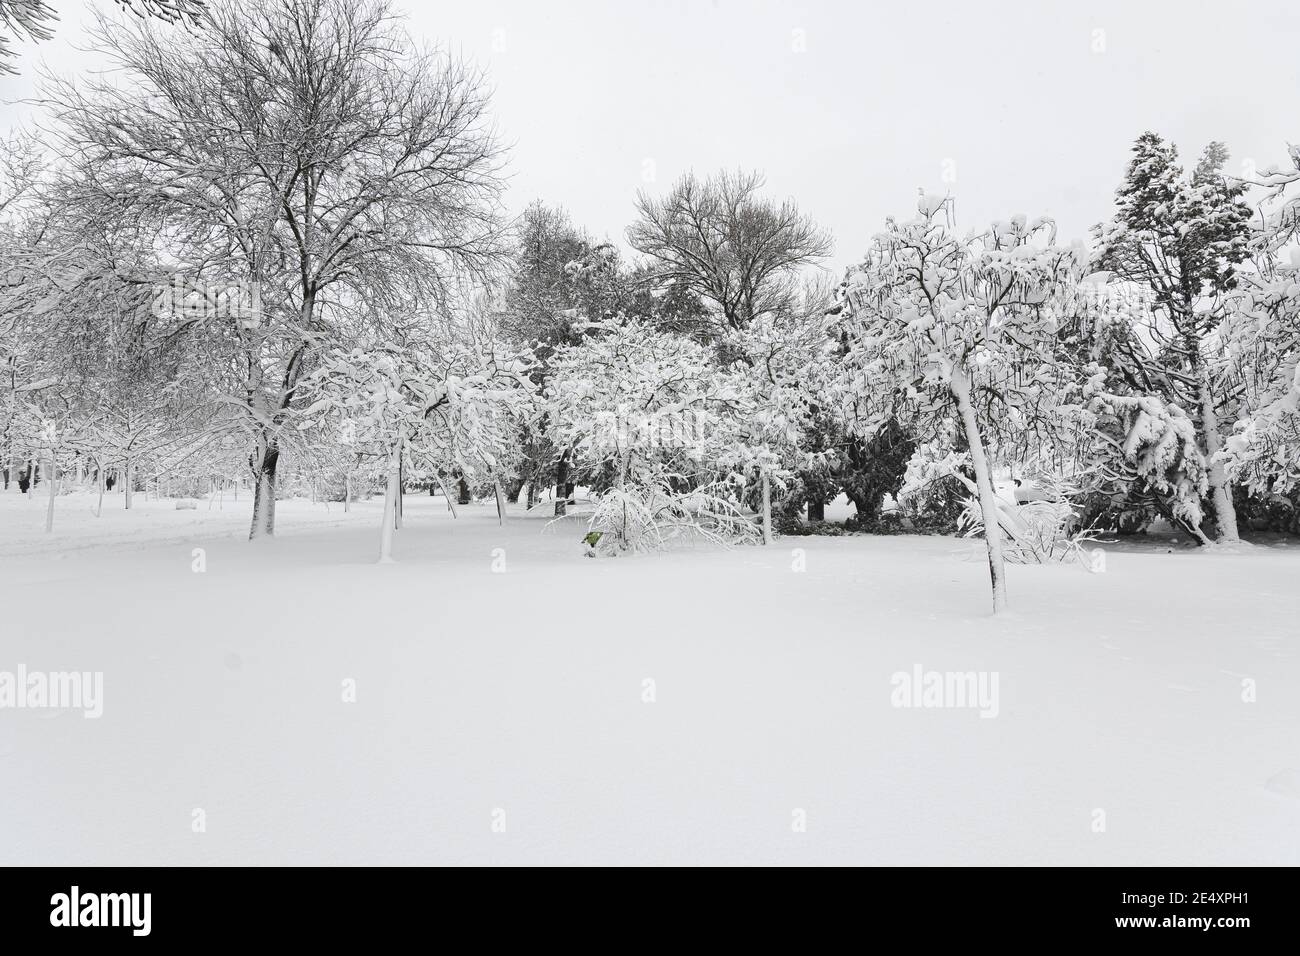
(347,490)
(960,386)
(391,491)
(53,481)
(127,480)
(767,508)
(501,502)
(401,490)
(625,465)
(562,485)
(99,475)
(446,494)
(1220,489)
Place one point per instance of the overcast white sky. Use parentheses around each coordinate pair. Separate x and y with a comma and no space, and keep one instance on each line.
(850,107)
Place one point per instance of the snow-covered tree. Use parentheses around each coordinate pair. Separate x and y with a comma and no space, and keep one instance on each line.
(936,329)
(1182,237)
(78,313)
(668,434)
(773,354)
(1262,354)
(1260,345)
(47,429)
(558,273)
(451,400)
(335,185)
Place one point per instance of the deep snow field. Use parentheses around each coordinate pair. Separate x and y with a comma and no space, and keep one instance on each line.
(502,717)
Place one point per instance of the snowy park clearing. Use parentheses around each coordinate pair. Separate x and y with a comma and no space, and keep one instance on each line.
(505,716)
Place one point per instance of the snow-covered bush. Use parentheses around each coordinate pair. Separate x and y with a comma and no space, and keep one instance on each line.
(652,515)
(1044,530)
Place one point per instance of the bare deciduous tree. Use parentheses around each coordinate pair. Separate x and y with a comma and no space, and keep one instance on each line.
(731,246)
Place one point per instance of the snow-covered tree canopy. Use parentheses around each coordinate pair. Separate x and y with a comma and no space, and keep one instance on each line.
(664,426)
(1278,223)
(448,403)
(927,305)
(1261,355)
(629,395)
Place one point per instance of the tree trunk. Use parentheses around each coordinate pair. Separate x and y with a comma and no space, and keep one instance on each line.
(501,502)
(264,493)
(816,510)
(127,480)
(1220,490)
(401,490)
(53,481)
(767,509)
(562,486)
(625,465)
(99,476)
(446,495)
(389,519)
(531,500)
(347,490)
(960,386)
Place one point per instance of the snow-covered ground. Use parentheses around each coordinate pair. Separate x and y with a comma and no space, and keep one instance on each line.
(505,716)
